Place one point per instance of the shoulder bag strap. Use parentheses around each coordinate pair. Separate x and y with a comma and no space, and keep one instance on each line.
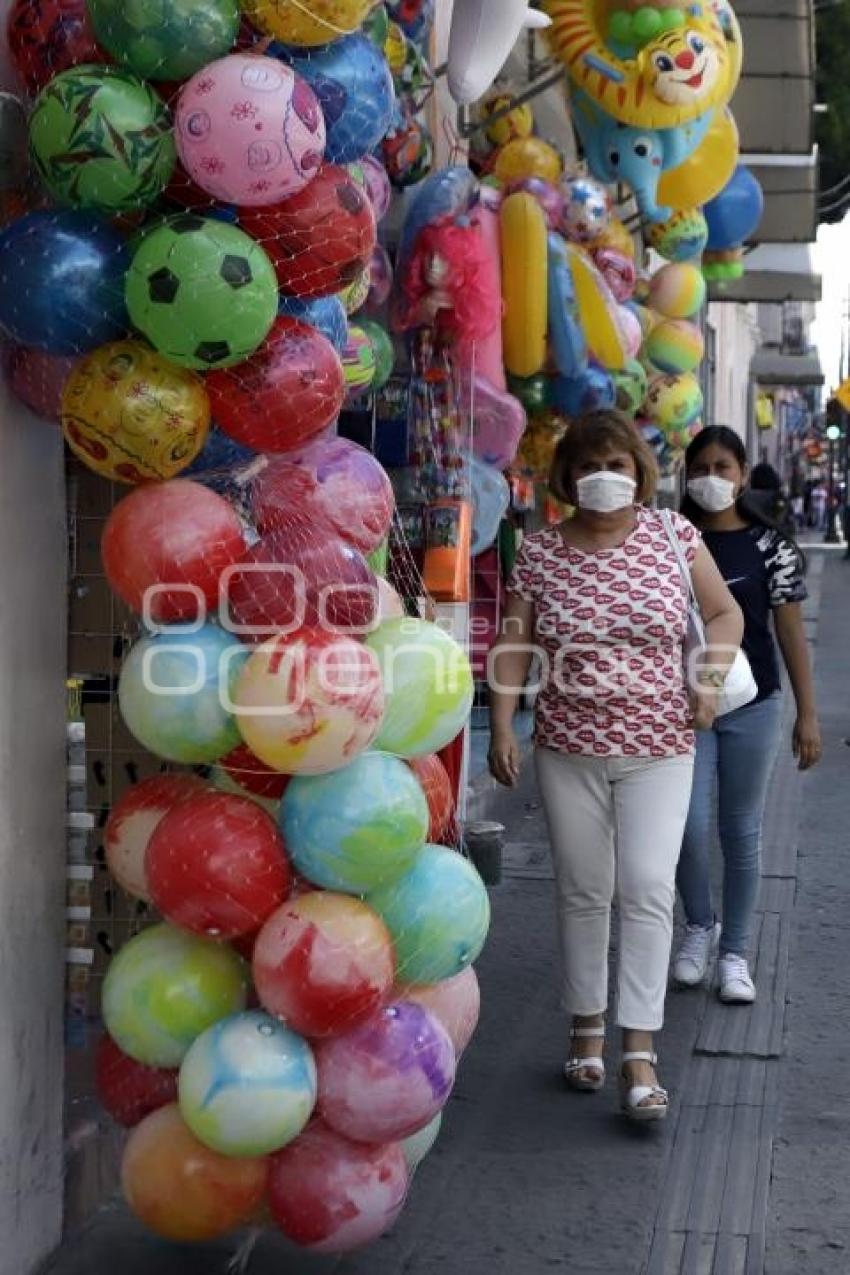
(676,546)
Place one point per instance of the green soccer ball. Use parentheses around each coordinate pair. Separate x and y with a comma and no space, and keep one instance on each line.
(102,139)
(165,39)
(202,292)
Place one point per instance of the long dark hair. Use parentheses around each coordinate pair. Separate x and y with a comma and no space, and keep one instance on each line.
(748,508)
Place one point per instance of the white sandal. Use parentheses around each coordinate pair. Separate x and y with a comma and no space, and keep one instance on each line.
(631,1096)
(573,1067)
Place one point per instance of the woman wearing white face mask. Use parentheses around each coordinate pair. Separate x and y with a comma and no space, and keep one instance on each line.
(763,569)
(601,601)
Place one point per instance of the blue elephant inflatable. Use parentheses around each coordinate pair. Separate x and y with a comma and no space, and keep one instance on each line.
(618,152)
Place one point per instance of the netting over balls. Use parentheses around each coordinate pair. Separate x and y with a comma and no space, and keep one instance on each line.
(195,285)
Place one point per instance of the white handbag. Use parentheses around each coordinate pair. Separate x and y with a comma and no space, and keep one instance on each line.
(740,686)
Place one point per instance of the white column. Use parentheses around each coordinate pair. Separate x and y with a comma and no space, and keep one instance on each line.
(33,609)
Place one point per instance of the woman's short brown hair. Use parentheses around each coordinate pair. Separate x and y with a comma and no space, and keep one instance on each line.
(596,433)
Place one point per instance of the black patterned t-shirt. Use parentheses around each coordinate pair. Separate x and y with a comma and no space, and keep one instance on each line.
(762,569)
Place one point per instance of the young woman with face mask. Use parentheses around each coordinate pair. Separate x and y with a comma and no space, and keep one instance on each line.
(601,601)
(764,571)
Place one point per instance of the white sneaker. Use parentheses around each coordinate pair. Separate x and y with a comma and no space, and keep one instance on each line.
(736,986)
(691,962)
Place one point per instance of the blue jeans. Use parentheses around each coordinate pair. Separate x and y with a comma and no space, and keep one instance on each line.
(737,756)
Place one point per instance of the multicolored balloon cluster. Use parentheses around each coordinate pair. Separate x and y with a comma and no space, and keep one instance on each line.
(288,1034)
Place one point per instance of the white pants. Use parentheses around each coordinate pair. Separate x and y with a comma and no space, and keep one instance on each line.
(615,823)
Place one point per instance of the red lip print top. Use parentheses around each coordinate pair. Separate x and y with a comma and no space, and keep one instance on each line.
(609,628)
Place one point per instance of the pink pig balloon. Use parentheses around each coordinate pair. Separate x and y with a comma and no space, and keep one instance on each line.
(249,130)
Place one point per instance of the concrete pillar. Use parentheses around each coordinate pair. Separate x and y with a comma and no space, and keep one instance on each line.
(33,611)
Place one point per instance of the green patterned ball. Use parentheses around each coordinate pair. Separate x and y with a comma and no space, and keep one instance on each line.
(101,138)
(165,39)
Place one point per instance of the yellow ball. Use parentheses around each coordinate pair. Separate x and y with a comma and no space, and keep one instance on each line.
(677,290)
(132,416)
(354,297)
(395,48)
(307,22)
(528,157)
(518,123)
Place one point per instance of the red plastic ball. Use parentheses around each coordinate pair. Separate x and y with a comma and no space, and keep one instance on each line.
(321,239)
(331,1195)
(38,379)
(216,865)
(49,36)
(246,769)
(300,576)
(171,534)
(181,191)
(129,1090)
(324,962)
(437,786)
(131,825)
(285,394)
(333,482)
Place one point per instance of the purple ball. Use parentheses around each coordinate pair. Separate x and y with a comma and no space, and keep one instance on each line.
(388,1078)
(380,278)
(378,186)
(550,198)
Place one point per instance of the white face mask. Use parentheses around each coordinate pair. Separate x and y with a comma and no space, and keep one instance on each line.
(712,494)
(605,492)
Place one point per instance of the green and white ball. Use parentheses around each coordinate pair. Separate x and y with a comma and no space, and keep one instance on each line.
(164,988)
(175,694)
(417,1146)
(248,1085)
(428,686)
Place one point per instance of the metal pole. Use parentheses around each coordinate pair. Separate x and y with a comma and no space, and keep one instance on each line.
(845,509)
(831,537)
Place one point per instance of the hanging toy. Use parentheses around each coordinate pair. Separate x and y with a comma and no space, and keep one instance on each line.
(448,285)
(676,76)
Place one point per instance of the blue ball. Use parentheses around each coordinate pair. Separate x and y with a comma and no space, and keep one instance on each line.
(593,391)
(354,85)
(219,453)
(734,214)
(327,314)
(415,17)
(62,282)
(443,194)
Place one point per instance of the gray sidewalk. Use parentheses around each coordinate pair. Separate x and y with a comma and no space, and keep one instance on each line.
(527,1177)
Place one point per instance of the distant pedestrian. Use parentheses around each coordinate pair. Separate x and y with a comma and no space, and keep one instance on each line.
(764,571)
(601,598)
(798,512)
(766,495)
(819,508)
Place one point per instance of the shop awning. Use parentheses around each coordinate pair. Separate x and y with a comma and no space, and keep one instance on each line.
(771,367)
(774,272)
